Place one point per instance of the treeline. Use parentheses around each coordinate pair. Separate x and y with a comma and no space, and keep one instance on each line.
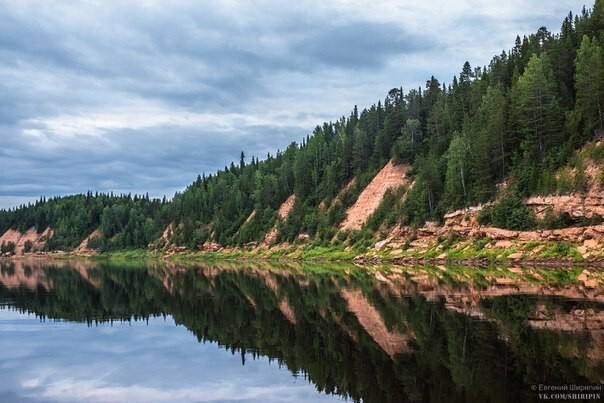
(517,120)
(124,221)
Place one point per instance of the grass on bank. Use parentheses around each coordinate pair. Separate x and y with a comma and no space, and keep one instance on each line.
(452,248)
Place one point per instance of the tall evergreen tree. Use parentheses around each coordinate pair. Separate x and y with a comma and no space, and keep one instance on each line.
(589,79)
(537,109)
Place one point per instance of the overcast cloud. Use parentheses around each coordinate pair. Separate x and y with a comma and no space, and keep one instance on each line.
(142,96)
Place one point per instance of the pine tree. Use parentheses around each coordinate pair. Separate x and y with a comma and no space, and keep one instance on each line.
(456,192)
(589,80)
(537,109)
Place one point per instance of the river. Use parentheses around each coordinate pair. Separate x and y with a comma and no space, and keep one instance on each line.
(73,331)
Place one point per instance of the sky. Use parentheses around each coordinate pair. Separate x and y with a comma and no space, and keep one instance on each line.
(142,96)
(133,362)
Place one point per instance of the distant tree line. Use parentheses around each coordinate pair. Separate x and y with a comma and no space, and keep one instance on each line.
(124,221)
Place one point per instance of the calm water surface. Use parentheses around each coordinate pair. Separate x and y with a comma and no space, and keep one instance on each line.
(81,331)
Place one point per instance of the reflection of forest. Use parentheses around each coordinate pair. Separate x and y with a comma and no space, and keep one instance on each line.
(400,335)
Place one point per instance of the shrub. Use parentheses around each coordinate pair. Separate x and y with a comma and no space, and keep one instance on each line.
(485,216)
(341,236)
(8,247)
(596,153)
(451,240)
(336,214)
(565,182)
(556,220)
(580,180)
(354,237)
(511,213)
(97,242)
(27,246)
(479,244)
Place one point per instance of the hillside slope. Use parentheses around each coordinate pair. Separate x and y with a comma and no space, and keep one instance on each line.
(456,142)
(390,177)
(23,242)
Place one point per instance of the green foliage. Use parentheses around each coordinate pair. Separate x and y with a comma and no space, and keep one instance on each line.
(137,220)
(580,180)
(562,249)
(589,78)
(556,221)
(537,110)
(595,152)
(449,241)
(7,248)
(456,180)
(97,242)
(409,144)
(387,205)
(27,246)
(509,212)
(480,243)
(565,182)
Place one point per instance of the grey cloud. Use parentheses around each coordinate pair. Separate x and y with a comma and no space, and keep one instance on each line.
(192,56)
(141,160)
(146,65)
(359,44)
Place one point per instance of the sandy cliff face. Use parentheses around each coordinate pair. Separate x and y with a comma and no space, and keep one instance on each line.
(390,177)
(37,240)
(83,246)
(282,214)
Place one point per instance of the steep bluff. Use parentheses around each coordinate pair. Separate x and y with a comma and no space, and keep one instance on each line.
(31,237)
(390,177)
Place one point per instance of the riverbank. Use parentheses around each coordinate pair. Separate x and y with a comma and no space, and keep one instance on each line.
(471,252)
(542,271)
(453,249)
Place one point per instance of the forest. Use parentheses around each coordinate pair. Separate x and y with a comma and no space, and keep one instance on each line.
(516,120)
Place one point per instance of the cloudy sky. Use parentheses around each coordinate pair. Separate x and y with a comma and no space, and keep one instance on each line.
(141,96)
(133,362)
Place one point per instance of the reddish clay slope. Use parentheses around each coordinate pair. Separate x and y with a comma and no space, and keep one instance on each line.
(19,239)
(284,210)
(390,177)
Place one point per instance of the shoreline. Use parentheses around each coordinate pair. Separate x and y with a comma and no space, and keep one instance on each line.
(369,257)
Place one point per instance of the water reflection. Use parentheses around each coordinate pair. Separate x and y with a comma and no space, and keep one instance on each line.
(398,334)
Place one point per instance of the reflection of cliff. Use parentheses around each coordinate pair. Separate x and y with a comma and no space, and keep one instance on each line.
(586,321)
(16,274)
(376,337)
(574,319)
(32,273)
(464,288)
(392,342)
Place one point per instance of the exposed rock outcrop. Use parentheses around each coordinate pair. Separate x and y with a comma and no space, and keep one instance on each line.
(583,205)
(36,240)
(83,246)
(282,214)
(390,177)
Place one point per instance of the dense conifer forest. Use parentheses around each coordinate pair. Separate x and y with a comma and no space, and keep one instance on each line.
(516,120)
